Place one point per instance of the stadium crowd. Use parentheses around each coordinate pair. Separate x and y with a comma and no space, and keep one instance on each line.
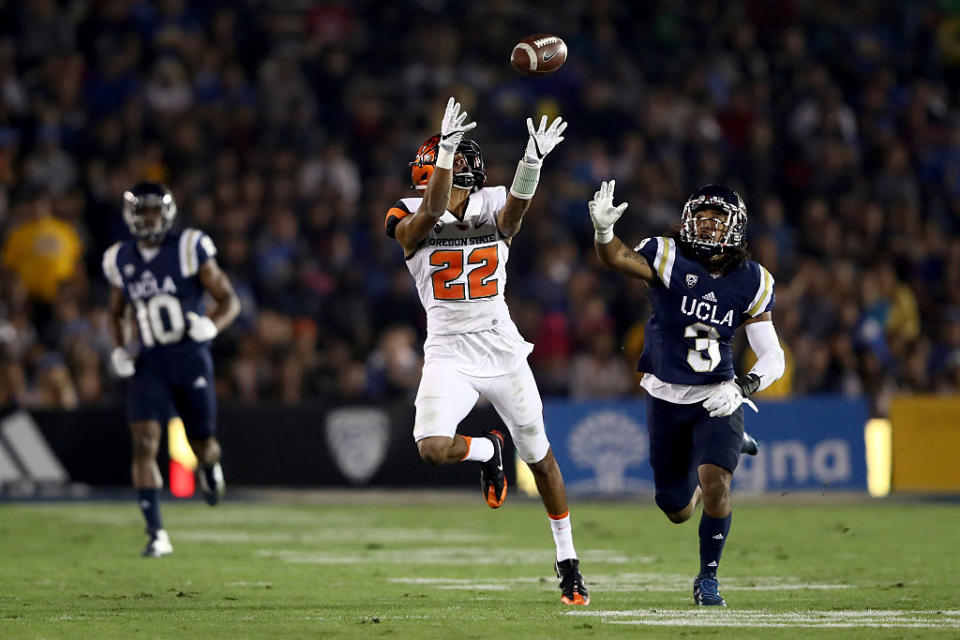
(285,129)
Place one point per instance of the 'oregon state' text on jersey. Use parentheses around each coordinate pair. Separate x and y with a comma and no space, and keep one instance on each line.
(695,314)
(460,267)
(163,289)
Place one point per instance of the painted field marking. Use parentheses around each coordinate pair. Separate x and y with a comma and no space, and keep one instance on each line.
(326,534)
(627,582)
(851,618)
(438,555)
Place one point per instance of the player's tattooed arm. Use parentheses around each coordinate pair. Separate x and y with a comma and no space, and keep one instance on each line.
(621,258)
(218,284)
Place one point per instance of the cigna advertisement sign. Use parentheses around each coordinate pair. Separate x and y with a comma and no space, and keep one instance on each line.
(809,444)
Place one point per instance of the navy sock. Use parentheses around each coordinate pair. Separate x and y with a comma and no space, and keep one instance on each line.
(150,506)
(713,535)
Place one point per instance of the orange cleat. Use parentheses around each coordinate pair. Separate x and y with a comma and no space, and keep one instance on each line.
(572,589)
(493,482)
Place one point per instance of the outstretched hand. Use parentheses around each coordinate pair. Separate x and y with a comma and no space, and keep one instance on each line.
(603,213)
(453,127)
(543,139)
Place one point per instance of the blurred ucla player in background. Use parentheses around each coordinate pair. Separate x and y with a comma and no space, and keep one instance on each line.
(162,275)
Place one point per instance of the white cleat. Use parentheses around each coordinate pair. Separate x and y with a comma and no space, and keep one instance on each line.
(158,546)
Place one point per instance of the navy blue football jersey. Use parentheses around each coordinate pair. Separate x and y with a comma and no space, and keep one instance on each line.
(164,288)
(695,314)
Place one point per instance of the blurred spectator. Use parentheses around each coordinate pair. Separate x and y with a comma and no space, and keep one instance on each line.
(285,134)
(42,250)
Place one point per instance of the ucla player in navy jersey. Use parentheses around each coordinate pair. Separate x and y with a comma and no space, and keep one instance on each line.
(163,276)
(703,286)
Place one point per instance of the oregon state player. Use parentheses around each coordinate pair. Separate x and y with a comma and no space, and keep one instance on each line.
(456,241)
(703,286)
(163,276)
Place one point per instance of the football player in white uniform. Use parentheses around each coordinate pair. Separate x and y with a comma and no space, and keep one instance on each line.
(456,240)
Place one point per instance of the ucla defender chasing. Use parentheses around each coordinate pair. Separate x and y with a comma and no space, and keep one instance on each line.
(163,276)
(456,241)
(703,286)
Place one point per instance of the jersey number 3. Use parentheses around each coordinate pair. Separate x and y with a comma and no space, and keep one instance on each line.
(705,356)
(480,282)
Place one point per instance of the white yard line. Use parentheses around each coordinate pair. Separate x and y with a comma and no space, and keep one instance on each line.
(437,556)
(913,619)
(627,582)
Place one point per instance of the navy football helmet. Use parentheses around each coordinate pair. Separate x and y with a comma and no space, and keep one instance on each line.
(719,198)
(149,195)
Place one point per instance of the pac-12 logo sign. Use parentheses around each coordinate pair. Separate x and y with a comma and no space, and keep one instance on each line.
(692,280)
(358,438)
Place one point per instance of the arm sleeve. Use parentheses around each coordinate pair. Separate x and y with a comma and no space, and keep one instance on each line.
(770,361)
(395,214)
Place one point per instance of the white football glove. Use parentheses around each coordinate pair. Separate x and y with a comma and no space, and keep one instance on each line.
(451,132)
(603,213)
(543,140)
(725,399)
(201,328)
(122,362)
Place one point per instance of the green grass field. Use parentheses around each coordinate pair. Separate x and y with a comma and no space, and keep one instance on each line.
(446,566)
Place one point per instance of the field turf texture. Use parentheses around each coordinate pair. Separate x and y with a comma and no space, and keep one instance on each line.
(436,565)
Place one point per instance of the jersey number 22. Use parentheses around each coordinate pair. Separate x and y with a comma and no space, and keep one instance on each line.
(480,282)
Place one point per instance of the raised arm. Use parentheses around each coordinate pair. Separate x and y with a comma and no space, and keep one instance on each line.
(610,249)
(541,142)
(412,229)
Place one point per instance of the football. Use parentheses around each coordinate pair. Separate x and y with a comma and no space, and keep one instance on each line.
(538,55)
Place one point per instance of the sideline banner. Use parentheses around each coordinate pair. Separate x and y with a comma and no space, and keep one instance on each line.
(808,444)
(602,447)
(926,440)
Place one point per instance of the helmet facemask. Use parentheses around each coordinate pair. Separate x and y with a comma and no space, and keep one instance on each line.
(137,201)
(733,216)
(472,177)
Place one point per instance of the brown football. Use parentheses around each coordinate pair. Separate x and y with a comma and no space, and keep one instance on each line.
(538,55)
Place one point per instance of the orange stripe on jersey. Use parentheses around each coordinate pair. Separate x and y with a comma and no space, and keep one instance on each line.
(395,212)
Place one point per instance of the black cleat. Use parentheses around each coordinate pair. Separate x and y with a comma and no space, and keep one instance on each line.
(212,483)
(706,593)
(493,482)
(572,589)
(748,445)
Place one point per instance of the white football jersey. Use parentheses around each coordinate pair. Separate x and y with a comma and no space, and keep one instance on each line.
(460,268)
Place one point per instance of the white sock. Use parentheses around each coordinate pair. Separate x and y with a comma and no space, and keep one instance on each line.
(563,536)
(478,449)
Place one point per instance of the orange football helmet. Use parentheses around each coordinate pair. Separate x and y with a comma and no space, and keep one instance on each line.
(422,166)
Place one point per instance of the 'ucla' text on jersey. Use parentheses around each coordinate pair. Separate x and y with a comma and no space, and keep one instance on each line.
(696,314)
(161,288)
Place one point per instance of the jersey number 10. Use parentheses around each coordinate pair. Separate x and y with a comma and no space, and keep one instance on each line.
(480,282)
(150,320)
